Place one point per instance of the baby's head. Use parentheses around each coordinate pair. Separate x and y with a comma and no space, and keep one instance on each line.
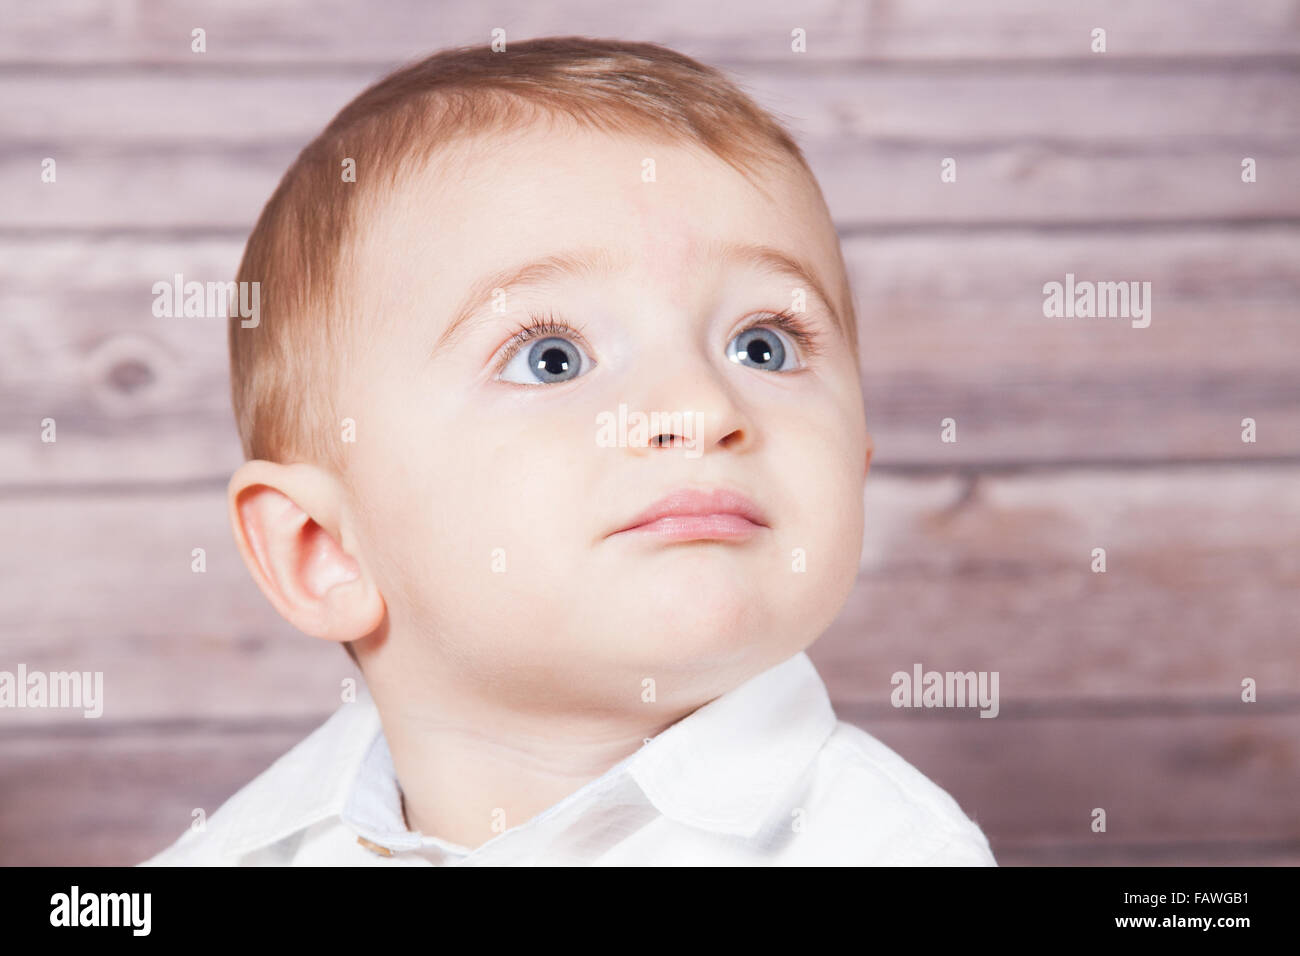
(510,301)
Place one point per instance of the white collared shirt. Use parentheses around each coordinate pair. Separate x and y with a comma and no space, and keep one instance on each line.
(763,775)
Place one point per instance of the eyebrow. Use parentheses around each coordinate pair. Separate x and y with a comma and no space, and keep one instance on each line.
(596,262)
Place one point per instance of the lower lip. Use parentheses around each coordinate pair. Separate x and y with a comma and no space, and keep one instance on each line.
(718,527)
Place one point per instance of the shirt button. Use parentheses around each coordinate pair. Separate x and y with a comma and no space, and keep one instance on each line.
(374,847)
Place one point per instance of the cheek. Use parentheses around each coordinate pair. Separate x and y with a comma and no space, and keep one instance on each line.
(507,507)
(825,456)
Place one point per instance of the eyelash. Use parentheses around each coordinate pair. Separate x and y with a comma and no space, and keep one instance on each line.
(805,336)
(808,339)
(537,327)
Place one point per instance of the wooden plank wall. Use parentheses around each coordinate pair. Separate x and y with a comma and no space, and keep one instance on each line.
(1119,690)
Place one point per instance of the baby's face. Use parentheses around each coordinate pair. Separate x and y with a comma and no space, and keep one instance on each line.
(493,479)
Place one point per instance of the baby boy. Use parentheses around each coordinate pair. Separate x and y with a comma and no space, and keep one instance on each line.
(554,421)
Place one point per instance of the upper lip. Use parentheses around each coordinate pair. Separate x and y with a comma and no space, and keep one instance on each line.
(698,501)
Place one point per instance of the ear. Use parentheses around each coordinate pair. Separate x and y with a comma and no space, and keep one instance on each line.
(290,526)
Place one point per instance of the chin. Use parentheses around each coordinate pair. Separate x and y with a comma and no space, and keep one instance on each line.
(708,629)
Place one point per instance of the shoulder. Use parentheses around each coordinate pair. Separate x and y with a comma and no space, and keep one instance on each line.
(872,804)
(301,788)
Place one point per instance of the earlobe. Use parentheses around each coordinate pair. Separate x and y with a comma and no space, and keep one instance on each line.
(286,521)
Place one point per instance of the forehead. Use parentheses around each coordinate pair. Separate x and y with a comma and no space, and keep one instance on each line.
(655,211)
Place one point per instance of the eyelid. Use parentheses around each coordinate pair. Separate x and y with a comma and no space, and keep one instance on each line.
(808,339)
(538,326)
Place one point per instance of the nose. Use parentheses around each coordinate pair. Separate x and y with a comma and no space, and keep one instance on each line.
(690,404)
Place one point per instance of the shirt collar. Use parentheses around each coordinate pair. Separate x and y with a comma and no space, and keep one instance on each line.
(721,768)
(725,766)
(308,784)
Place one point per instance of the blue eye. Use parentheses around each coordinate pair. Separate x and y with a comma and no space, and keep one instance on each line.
(762,347)
(544,361)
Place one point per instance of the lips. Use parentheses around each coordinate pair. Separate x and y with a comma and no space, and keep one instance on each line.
(692,514)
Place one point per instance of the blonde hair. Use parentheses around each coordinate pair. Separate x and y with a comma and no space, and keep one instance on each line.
(281,369)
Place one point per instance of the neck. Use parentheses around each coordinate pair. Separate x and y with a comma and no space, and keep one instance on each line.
(471,766)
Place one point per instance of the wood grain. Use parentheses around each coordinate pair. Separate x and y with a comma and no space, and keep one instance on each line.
(1083,145)
(951,325)
(1100,105)
(1119,690)
(336,31)
(878,185)
(1176,790)
(1202,589)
